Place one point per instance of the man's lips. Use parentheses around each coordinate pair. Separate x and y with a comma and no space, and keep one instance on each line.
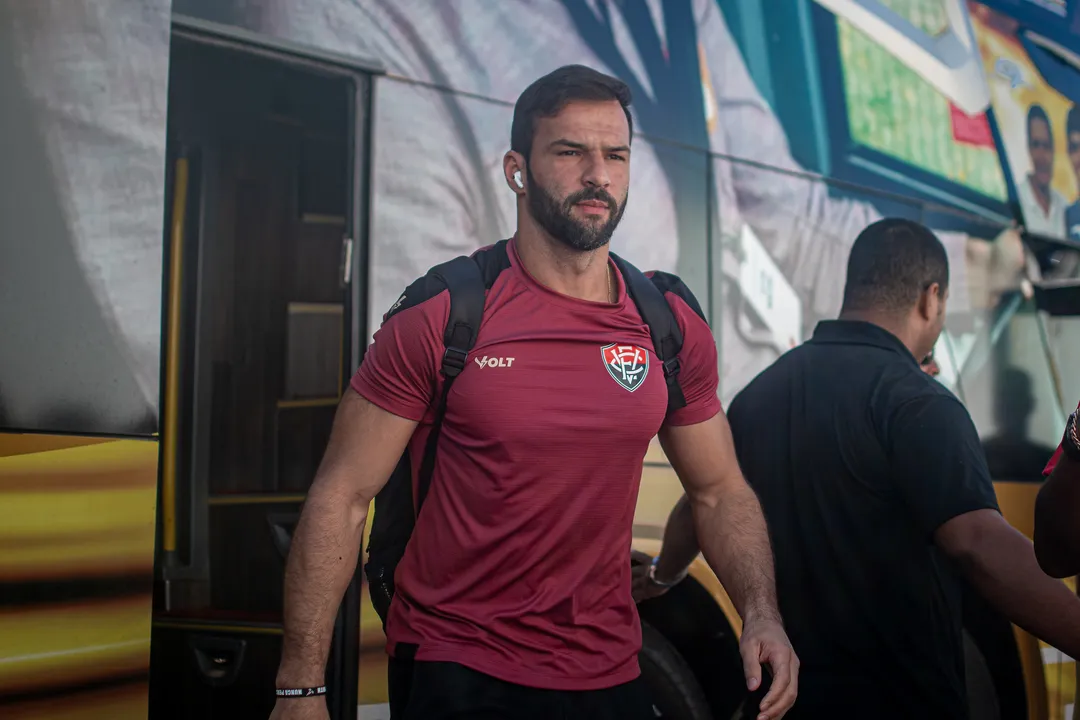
(593,207)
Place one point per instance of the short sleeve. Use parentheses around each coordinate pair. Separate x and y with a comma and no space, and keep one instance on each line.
(938,461)
(699,374)
(400,370)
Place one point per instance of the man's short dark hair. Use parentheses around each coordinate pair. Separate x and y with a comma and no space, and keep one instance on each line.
(1036,112)
(891,263)
(1072,121)
(547,96)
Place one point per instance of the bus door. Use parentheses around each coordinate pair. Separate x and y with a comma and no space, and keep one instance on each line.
(265,319)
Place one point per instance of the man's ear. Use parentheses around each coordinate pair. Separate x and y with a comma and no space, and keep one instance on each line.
(931,301)
(514,171)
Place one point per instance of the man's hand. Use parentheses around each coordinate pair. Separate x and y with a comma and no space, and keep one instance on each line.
(641,587)
(764,642)
(313,708)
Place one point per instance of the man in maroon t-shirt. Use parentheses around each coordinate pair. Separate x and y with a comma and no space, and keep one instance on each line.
(514,590)
(1057,509)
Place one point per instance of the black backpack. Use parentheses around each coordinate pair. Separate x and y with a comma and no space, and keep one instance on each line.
(468,278)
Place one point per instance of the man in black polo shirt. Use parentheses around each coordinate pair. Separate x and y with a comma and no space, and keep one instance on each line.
(875,489)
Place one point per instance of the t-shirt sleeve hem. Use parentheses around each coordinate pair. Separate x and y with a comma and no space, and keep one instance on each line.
(692,416)
(961,509)
(381,401)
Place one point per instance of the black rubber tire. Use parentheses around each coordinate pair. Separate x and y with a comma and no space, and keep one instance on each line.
(671,684)
(983,701)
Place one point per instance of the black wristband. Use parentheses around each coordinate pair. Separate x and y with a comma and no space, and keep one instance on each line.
(1069,445)
(300,692)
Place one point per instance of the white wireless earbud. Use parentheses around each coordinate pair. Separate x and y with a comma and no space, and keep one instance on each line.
(517,179)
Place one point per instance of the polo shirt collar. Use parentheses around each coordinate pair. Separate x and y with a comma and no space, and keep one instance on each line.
(859,332)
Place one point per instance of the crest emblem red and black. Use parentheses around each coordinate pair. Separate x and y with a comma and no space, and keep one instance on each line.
(627,364)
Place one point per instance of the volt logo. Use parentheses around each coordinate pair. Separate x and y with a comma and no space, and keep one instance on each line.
(494,362)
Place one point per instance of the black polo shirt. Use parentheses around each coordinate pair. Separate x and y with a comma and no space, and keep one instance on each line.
(858,457)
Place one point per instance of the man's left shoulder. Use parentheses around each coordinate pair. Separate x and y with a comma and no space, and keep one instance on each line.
(675,290)
(920,396)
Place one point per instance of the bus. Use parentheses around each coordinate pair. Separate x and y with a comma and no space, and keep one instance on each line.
(209,204)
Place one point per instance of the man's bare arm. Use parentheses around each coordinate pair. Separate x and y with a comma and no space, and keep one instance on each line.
(730,528)
(1057,520)
(365,445)
(728,520)
(1000,562)
(680,544)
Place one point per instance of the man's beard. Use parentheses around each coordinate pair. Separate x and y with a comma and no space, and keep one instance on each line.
(556,218)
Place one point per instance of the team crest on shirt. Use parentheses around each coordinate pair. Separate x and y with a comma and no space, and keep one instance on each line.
(627,364)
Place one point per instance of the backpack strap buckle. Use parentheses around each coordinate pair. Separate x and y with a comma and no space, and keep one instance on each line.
(453,361)
(672,366)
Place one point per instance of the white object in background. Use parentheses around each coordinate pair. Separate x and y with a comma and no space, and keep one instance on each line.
(950,61)
(767,291)
(373,712)
(950,353)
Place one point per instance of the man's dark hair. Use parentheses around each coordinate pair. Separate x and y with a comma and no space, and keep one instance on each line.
(891,262)
(547,96)
(1072,121)
(1036,112)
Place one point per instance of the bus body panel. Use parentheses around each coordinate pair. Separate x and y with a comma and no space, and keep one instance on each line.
(77,529)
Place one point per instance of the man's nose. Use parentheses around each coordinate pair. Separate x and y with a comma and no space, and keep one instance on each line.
(596,173)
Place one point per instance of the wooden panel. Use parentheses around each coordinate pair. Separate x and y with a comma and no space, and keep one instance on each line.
(314,339)
(315,263)
(251,352)
(302,436)
(246,568)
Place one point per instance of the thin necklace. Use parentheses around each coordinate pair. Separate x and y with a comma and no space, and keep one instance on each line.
(610,293)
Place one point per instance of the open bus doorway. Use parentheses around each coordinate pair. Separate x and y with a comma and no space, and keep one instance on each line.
(264,320)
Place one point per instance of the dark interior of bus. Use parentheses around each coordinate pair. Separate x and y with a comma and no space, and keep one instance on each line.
(259,195)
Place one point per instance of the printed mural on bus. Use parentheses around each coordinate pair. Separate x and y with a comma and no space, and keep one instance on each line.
(82,127)
(740,114)
(83,132)
(1033,94)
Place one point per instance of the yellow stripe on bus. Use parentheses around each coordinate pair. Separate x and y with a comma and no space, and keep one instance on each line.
(58,535)
(70,644)
(112,455)
(20,444)
(81,510)
(123,701)
(29,517)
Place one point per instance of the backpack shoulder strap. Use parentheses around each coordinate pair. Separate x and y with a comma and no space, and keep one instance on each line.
(461,277)
(467,279)
(492,261)
(648,295)
(668,283)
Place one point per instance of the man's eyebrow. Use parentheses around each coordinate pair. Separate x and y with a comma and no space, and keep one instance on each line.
(569,143)
(581,146)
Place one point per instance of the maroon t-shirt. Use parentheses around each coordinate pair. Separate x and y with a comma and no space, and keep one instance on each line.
(519,564)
